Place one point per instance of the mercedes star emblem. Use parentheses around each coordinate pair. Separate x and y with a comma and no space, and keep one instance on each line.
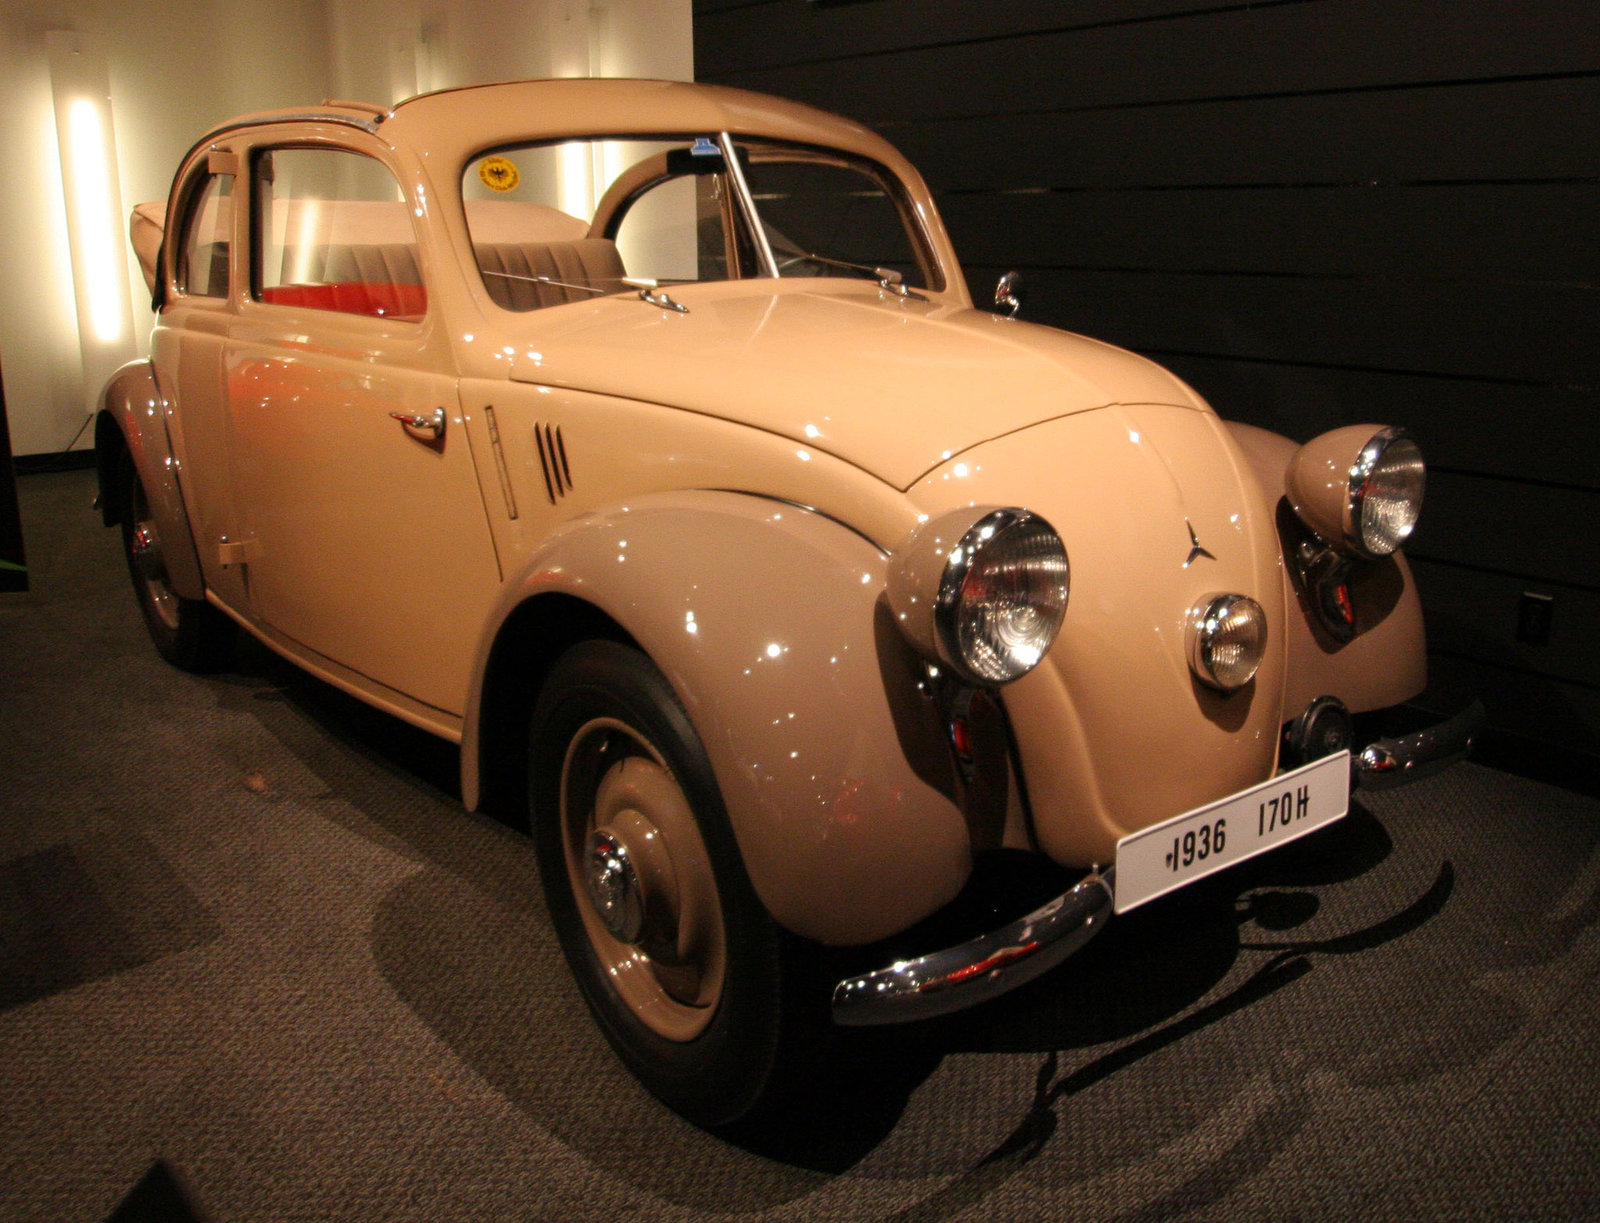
(1196,552)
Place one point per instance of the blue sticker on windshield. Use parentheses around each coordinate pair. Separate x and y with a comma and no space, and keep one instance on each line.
(704,146)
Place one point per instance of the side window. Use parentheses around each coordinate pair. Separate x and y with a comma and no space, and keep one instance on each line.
(203,257)
(333,233)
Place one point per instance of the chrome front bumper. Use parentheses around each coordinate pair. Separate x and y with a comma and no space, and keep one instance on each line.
(1394,762)
(955,978)
(982,968)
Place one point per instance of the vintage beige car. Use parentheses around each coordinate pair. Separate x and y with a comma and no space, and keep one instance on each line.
(642,439)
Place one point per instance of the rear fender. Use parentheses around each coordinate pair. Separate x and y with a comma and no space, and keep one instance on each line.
(765,619)
(133,417)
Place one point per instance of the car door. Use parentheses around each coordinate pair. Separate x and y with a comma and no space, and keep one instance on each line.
(197,313)
(363,533)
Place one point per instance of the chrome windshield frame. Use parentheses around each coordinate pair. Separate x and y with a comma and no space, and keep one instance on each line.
(747,205)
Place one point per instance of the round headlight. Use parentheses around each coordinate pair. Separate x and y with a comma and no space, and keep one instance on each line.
(1227,637)
(1002,596)
(1386,483)
(1359,487)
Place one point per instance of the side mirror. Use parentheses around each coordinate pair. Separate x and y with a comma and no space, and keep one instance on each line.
(1008,294)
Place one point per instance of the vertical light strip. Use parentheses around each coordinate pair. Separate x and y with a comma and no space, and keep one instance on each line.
(307,241)
(405,57)
(92,220)
(572,54)
(605,151)
(79,81)
(577,180)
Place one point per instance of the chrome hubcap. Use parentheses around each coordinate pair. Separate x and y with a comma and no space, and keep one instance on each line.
(614,886)
(147,552)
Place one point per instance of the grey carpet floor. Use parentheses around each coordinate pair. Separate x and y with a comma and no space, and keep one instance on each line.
(256,963)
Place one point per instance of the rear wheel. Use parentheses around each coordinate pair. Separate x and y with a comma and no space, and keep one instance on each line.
(677,958)
(188,633)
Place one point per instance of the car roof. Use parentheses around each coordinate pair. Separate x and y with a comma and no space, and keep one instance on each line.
(461,121)
(597,106)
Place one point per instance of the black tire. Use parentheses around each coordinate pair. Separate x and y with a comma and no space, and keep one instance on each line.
(188,633)
(698,1015)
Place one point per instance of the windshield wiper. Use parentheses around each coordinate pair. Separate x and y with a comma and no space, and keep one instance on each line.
(889,280)
(627,282)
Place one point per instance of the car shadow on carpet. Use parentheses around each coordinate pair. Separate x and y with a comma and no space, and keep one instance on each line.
(479,964)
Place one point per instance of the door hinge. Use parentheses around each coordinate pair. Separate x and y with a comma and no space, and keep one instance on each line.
(231,552)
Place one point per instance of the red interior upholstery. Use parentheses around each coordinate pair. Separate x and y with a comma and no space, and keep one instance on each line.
(354,297)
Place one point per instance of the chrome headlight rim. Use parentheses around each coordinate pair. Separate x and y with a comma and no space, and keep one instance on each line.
(1208,618)
(952,612)
(1372,544)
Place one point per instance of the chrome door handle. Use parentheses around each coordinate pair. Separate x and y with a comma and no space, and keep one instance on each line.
(431,425)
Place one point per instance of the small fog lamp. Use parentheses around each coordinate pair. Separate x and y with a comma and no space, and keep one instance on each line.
(1227,638)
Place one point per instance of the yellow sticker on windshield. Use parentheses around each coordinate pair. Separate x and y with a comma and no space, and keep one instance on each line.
(498,174)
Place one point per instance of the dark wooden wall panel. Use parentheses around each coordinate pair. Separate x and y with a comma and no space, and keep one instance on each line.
(1516,332)
(1531,530)
(1530,706)
(786,33)
(1218,51)
(1317,212)
(1455,134)
(1417,231)
(1482,623)
(1520,432)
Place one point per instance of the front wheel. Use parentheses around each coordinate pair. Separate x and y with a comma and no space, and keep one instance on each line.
(188,633)
(676,956)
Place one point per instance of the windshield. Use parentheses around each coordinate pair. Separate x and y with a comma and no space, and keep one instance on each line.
(556,223)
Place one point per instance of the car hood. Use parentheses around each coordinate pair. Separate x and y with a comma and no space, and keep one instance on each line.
(892,385)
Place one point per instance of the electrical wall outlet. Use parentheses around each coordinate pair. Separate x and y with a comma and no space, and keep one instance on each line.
(1534,614)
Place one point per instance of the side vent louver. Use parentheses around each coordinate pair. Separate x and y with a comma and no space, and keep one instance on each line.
(553,458)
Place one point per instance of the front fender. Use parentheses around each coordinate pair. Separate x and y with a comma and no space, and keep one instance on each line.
(132,415)
(1387,661)
(765,620)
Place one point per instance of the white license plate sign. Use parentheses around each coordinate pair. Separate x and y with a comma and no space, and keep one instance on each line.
(1176,852)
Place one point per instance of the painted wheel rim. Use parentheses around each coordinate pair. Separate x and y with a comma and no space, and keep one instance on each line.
(616,791)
